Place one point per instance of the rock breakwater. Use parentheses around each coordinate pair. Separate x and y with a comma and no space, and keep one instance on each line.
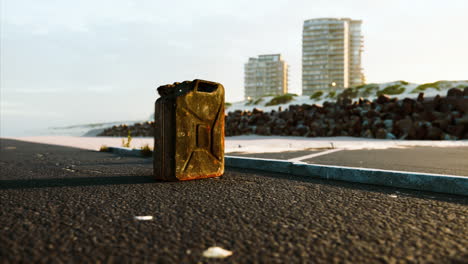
(437,118)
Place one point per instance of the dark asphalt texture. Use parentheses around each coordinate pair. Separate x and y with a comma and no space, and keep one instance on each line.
(65,205)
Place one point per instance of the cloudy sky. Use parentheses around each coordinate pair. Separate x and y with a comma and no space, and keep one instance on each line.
(71,62)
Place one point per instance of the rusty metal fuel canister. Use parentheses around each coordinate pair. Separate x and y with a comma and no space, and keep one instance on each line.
(189,131)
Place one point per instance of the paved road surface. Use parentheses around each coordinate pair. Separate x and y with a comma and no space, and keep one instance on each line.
(439,160)
(61,205)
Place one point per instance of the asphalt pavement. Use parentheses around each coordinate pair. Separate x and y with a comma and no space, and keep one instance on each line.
(67,205)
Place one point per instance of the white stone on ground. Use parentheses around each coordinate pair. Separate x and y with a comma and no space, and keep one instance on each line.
(216,252)
(144,218)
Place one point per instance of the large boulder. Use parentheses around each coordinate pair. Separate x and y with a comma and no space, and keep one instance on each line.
(441,123)
(454,92)
(390,136)
(381,133)
(302,129)
(456,130)
(462,120)
(383,98)
(421,129)
(367,134)
(407,106)
(257,111)
(420,97)
(405,126)
(434,133)
(460,104)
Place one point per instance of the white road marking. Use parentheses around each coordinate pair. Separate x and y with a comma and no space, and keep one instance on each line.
(315,155)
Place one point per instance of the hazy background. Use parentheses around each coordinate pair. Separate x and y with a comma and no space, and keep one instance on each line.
(72,62)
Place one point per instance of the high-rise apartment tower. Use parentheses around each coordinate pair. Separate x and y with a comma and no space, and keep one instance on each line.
(267,74)
(331,54)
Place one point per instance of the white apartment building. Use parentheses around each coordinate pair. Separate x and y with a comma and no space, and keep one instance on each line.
(267,74)
(331,54)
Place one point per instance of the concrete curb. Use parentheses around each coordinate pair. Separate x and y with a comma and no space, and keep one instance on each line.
(125,151)
(450,184)
(410,180)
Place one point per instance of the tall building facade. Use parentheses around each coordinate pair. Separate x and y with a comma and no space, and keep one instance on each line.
(267,74)
(331,54)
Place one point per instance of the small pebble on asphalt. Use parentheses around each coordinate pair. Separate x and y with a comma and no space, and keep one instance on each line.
(216,252)
(144,218)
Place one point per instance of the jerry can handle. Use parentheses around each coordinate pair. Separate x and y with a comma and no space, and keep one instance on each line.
(206,87)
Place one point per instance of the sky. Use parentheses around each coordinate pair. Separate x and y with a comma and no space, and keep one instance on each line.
(77,62)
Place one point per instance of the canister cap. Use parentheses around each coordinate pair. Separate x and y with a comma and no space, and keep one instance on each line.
(175,89)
